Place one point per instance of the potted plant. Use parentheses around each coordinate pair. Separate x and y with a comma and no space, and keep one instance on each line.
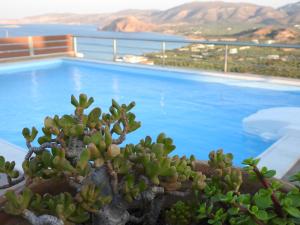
(82,173)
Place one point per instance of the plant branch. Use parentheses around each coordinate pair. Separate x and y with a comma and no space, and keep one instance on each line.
(41,148)
(266,185)
(122,137)
(12,182)
(41,220)
(113,177)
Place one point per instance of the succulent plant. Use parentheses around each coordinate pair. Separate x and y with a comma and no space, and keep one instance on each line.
(63,206)
(225,175)
(90,198)
(110,183)
(16,204)
(179,214)
(8,168)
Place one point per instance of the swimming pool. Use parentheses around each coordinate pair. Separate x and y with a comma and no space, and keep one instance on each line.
(201,113)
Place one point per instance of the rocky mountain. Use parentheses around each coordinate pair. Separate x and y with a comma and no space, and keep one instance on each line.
(101,19)
(182,19)
(194,13)
(203,12)
(129,24)
(293,12)
(271,33)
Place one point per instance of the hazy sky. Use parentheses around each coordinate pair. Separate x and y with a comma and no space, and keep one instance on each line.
(19,8)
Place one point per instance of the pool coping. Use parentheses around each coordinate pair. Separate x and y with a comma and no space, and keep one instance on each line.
(236,76)
(275,149)
(12,152)
(287,81)
(282,156)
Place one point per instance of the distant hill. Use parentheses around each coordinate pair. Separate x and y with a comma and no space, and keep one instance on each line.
(194,13)
(293,12)
(202,12)
(271,33)
(129,24)
(73,18)
(195,18)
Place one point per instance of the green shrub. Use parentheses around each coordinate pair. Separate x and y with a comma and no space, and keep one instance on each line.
(105,182)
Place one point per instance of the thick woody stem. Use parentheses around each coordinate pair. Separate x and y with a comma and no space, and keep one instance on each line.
(134,219)
(41,148)
(12,182)
(122,137)
(150,194)
(113,176)
(41,220)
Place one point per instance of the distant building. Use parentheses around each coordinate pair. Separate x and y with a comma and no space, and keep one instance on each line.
(285,58)
(197,56)
(233,51)
(200,46)
(194,49)
(244,48)
(255,41)
(197,32)
(197,48)
(273,57)
(269,42)
(184,49)
(135,59)
(161,56)
(228,39)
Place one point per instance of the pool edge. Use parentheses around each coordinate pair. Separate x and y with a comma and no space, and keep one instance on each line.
(235,76)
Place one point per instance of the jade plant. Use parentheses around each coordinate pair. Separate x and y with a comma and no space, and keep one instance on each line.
(111,182)
(179,214)
(100,180)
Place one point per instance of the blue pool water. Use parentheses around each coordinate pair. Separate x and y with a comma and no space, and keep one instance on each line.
(199,112)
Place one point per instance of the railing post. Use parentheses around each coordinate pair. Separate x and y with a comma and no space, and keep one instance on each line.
(30,46)
(226,59)
(114,50)
(74,39)
(163,49)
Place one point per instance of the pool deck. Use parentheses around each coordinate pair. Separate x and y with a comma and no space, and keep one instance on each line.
(292,171)
(11,152)
(283,156)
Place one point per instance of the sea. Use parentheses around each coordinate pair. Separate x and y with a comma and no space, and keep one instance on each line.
(98,48)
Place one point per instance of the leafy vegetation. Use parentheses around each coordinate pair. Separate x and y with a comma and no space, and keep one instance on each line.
(105,182)
(253,60)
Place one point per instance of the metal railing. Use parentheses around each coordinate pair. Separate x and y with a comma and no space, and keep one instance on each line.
(242,57)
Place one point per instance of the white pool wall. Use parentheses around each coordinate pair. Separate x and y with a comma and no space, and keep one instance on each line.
(281,124)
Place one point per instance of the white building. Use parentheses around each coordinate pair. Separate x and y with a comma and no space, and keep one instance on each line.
(233,51)
(244,48)
(273,57)
(270,42)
